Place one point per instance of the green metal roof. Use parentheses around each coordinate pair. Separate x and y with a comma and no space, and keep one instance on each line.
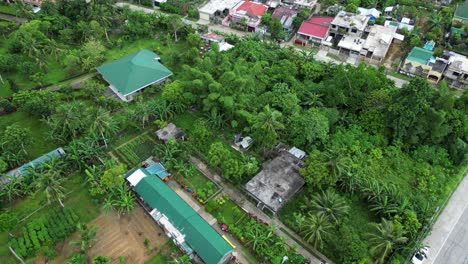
(462,10)
(199,235)
(458,30)
(420,55)
(134,72)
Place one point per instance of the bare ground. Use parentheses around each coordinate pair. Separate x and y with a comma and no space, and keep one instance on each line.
(122,236)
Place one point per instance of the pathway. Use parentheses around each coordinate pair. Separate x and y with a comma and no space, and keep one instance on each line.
(448,241)
(18,20)
(75,83)
(239,198)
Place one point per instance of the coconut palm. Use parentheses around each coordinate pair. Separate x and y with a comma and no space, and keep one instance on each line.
(384,238)
(12,188)
(435,20)
(103,124)
(267,124)
(315,228)
(337,164)
(87,238)
(329,204)
(384,206)
(50,183)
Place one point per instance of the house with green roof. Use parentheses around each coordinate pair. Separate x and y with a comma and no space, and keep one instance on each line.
(180,221)
(134,72)
(422,63)
(461,13)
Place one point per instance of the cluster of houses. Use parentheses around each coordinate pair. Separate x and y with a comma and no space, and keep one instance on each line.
(355,35)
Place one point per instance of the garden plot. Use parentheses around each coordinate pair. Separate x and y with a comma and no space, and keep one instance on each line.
(135,151)
(225,210)
(202,188)
(122,236)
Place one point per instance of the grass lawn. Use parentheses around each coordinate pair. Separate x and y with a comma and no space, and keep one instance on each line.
(78,200)
(225,210)
(7,9)
(40,145)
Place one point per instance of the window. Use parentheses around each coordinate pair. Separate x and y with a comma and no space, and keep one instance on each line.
(354,30)
(456,73)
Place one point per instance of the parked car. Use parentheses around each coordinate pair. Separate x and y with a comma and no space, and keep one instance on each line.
(420,256)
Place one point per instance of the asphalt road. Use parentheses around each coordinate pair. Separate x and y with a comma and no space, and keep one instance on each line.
(448,241)
(455,249)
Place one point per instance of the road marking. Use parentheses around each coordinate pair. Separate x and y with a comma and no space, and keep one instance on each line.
(451,230)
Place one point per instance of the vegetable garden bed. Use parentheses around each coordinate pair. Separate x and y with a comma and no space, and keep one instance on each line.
(134,152)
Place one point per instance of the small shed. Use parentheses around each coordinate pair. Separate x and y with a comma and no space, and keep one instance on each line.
(170,131)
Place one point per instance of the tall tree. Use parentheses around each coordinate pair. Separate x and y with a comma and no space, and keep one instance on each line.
(330,204)
(103,124)
(51,183)
(384,238)
(266,125)
(315,228)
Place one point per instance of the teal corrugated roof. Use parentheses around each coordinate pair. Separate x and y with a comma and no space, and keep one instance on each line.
(133,72)
(199,235)
(462,10)
(420,55)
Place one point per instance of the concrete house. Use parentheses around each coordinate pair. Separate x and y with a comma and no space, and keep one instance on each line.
(378,42)
(278,181)
(286,16)
(216,9)
(134,72)
(421,62)
(348,24)
(456,73)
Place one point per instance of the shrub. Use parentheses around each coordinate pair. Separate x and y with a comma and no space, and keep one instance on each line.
(194,14)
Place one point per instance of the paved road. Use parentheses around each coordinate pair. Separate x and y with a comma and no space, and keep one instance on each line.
(18,20)
(448,240)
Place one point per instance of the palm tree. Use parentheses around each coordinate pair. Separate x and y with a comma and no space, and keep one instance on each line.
(383,205)
(103,124)
(312,100)
(336,163)
(315,228)
(12,188)
(384,238)
(175,22)
(50,183)
(329,204)
(87,237)
(267,124)
(435,20)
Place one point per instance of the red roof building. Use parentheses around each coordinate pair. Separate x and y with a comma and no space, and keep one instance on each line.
(315,29)
(251,12)
(252,8)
